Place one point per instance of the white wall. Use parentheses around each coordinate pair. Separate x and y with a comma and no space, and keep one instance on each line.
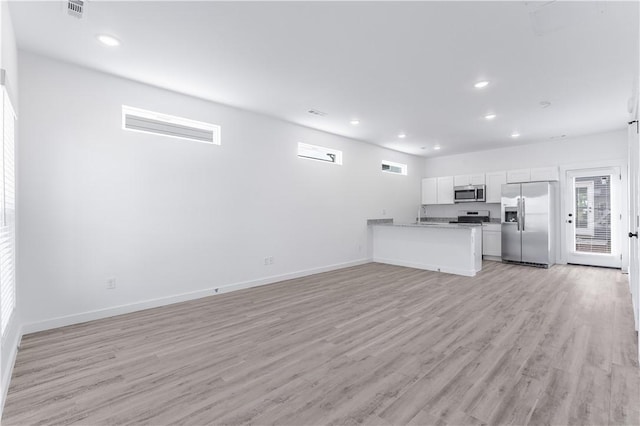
(9,52)
(604,148)
(167,217)
(9,62)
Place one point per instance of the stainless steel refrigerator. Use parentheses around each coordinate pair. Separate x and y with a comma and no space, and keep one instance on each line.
(527,223)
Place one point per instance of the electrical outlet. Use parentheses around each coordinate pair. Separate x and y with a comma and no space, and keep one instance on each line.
(266,261)
(271,261)
(111,283)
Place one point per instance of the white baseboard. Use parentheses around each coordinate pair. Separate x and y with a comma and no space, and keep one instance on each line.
(154,303)
(492,258)
(428,267)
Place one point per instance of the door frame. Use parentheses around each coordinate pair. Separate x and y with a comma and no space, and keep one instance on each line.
(562,247)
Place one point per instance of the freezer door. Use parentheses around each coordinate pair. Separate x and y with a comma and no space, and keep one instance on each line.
(535,223)
(510,214)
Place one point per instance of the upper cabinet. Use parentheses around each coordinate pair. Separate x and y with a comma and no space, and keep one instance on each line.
(539,174)
(430,191)
(518,176)
(543,174)
(495,180)
(437,190)
(445,190)
(464,180)
(461,180)
(477,179)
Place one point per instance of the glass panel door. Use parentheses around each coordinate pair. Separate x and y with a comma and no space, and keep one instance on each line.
(591,234)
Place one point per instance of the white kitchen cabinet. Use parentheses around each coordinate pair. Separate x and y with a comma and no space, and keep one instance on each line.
(430,191)
(544,174)
(518,176)
(495,180)
(477,179)
(445,190)
(440,190)
(492,240)
(464,180)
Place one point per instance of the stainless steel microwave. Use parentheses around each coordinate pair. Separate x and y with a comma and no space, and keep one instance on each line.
(469,194)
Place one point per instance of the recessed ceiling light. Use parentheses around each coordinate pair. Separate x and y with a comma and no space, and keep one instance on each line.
(423,147)
(402,136)
(545,104)
(481,84)
(515,134)
(354,122)
(437,147)
(108,40)
(490,116)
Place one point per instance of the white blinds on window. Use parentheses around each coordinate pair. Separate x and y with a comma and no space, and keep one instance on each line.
(593,214)
(7,213)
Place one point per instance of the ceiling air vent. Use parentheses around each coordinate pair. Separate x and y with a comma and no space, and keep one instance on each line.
(139,120)
(75,8)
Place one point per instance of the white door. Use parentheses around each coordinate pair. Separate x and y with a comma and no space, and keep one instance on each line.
(592,202)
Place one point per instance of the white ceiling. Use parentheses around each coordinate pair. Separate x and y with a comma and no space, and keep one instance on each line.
(396,66)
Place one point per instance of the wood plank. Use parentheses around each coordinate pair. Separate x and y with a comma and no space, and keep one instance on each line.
(372,344)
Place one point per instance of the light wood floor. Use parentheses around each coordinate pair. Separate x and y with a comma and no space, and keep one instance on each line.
(373,344)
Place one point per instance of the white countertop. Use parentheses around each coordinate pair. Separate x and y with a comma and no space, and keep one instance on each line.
(439,225)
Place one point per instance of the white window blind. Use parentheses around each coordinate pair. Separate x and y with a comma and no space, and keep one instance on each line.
(593,214)
(7,213)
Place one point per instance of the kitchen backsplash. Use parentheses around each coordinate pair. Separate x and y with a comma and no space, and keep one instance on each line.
(451,210)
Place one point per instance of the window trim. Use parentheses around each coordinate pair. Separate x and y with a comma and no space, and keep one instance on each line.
(8,111)
(403,167)
(171,119)
(327,151)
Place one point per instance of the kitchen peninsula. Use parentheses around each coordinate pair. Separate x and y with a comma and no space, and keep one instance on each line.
(442,247)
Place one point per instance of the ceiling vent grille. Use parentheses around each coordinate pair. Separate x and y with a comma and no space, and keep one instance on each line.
(140,120)
(75,8)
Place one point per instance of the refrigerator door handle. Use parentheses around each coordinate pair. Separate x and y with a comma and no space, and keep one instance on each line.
(518,214)
(524,213)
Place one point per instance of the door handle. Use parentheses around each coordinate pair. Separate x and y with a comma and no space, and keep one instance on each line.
(631,234)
